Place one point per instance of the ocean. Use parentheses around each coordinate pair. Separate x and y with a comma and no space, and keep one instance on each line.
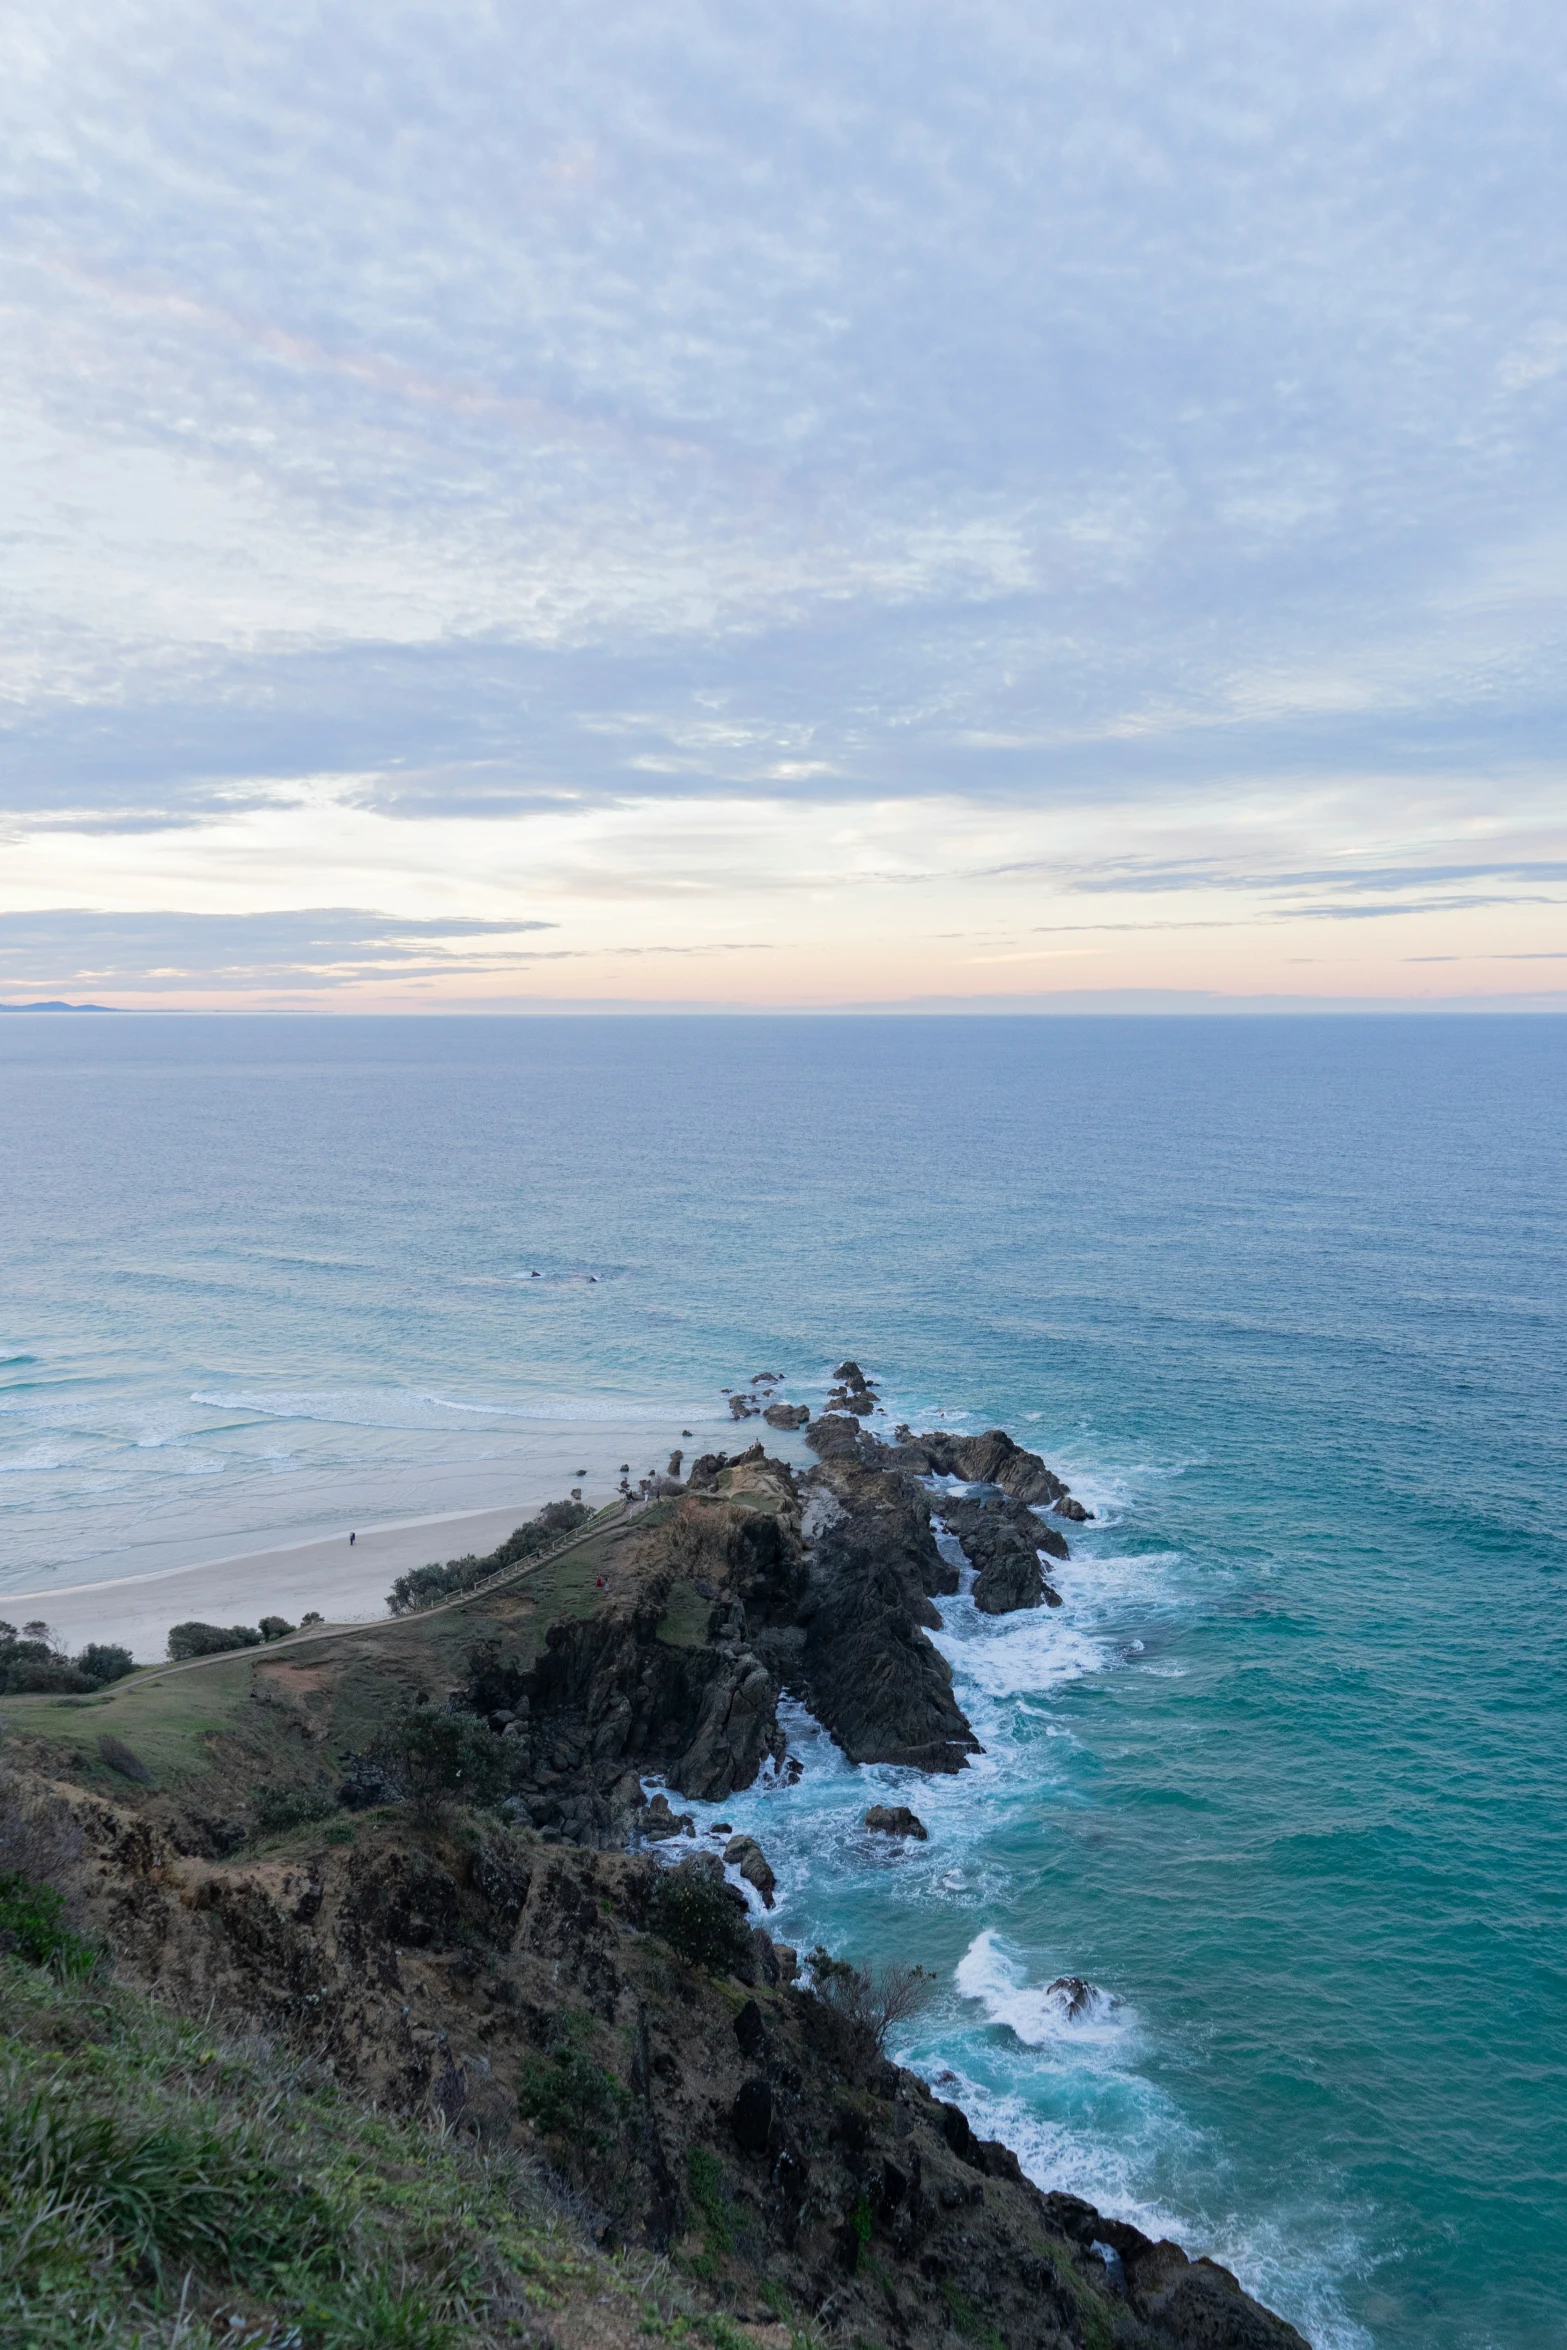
(1284,1300)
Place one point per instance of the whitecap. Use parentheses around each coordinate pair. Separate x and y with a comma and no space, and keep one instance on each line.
(398,1407)
(1068,2007)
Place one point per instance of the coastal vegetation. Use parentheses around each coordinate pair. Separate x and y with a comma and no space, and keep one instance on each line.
(425,1586)
(378,1960)
(31,1664)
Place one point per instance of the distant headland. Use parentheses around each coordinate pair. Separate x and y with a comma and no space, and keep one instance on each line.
(59,1007)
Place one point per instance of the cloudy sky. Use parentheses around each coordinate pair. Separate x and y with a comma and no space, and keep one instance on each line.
(514,505)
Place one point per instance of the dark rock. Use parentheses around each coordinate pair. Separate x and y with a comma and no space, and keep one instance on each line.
(870,1674)
(1077,1995)
(742,1408)
(749,2031)
(786,1415)
(837,1438)
(850,1374)
(969,1515)
(751,2116)
(659,1822)
(1002,1540)
(746,1855)
(896,1819)
(993,1459)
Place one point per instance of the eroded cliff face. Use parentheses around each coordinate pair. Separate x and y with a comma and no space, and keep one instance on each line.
(748,1589)
(508,1968)
(732,2120)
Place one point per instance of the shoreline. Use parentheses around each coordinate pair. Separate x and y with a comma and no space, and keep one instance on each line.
(345,1583)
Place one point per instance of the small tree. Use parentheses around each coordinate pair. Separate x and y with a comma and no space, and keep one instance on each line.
(874,2000)
(700,1916)
(430,1759)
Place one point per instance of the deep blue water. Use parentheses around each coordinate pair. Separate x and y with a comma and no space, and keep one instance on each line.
(1285,1299)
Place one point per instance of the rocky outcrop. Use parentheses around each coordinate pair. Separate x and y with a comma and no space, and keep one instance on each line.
(1002,1540)
(868,1671)
(731,2117)
(896,1819)
(746,1855)
(990,1459)
(786,1415)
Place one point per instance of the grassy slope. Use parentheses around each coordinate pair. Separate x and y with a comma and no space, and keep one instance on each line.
(161,2186)
(216,1730)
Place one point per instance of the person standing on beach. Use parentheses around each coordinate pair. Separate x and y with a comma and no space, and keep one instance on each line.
(352,1539)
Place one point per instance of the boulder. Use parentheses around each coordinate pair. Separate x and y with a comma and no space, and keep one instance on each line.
(993,1459)
(786,1415)
(658,1821)
(1002,1539)
(746,1855)
(896,1819)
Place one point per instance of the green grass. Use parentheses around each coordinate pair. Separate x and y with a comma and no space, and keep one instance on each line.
(32,1923)
(686,1618)
(153,2178)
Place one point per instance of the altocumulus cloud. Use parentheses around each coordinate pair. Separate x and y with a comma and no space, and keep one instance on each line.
(1042,407)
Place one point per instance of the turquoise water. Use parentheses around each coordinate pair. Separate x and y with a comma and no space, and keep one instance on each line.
(1286,1300)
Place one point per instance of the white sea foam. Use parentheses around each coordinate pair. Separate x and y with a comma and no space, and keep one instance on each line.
(397,1407)
(1066,2009)
(38,1458)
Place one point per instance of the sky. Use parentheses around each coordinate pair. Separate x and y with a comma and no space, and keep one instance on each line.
(1052,506)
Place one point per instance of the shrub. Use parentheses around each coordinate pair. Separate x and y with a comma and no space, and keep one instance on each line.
(104,1662)
(32,1923)
(427,1758)
(193,1639)
(32,1665)
(570,2098)
(283,1808)
(276,1627)
(427,1586)
(871,2000)
(701,1917)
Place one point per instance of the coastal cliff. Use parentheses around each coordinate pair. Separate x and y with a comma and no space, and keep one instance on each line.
(531,1971)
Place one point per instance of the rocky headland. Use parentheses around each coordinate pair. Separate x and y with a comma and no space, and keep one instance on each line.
(511,1948)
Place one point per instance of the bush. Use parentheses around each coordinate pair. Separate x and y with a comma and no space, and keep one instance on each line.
(701,1917)
(571,2099)
(284,1808)
(31,1665)
(428,1586)
(870,2000)
(188,1640)
(276,1627)
(32,1923)
(428,1758)
(105,1662)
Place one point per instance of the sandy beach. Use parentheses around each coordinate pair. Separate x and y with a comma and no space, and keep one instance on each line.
(348,1583)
